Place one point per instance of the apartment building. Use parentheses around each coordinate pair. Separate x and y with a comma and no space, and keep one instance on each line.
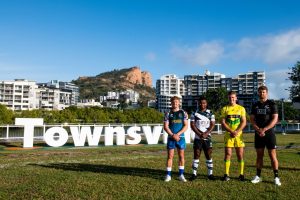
(166,87)
(196,85)
(66,86)
(21,94)
(193,86)
(18,94)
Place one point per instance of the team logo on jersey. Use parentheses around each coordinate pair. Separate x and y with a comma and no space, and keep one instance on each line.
(180,115)
(262,111)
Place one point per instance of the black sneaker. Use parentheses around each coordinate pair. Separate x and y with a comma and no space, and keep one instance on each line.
(193,177)
(225,178)
(211,177)
(242,177)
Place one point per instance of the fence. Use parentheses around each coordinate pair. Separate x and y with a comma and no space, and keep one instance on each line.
(16,132)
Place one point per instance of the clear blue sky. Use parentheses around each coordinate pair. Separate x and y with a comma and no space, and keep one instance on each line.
(43,40)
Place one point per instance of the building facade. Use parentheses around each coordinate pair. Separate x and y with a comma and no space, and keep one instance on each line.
(193,86)
(18,94)
(166,87)
(21,94)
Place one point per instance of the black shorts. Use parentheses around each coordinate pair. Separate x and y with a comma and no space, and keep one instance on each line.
(269,140)
(202,144)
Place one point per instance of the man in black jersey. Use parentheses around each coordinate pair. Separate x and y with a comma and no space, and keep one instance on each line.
(264,116)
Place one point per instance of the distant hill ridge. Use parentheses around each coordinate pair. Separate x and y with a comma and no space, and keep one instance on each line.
(116,80)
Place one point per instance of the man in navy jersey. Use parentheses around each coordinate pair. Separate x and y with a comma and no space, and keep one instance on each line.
(202,123)
(264,116)
(175,124)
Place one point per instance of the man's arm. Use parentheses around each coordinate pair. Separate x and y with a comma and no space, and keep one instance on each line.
(209,129)
(241,126)
(272,123)
(225,126)
(195,129)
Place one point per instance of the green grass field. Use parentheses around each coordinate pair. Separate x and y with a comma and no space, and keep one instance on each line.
(137,172)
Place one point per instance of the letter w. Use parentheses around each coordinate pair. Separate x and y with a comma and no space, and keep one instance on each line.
(79,136)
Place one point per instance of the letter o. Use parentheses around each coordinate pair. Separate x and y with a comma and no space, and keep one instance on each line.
(62,138)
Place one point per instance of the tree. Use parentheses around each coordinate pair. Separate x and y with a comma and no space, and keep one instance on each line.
(216,98)
(294,76)
(6,116)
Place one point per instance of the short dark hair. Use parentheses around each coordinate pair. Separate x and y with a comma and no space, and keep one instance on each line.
(263,87)
(202,98)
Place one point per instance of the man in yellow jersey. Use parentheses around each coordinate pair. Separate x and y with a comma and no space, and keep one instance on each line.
(233,121)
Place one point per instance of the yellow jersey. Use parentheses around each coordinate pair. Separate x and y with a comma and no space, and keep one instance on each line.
(233,115)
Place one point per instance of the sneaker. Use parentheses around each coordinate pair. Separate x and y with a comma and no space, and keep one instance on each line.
(225,178)
(277,181)
(242,177)
(211,177)
(181,178)
(168,178)
(193,177)
(256,179)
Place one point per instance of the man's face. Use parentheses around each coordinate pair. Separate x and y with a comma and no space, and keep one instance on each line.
(203,104)
(175,104)
(232,99)
(263,94)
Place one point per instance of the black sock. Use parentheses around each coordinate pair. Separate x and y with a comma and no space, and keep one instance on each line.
(258,172)
(276,173)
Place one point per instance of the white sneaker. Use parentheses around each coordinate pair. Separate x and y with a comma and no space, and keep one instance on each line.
(277,181)
(168,178)
(256,179)
(181,178)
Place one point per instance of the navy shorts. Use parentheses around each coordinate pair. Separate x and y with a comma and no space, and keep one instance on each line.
(172,144)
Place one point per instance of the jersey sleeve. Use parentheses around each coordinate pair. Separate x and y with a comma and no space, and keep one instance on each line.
(243,112)
(274,108)
(213,118)
(166,117)
(185,115)
(192,117)
(223,112)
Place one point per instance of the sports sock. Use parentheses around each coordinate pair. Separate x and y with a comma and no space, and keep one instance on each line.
(276,173)
(209,165)
(258,172)
(227,166)
(195,166)
(242,164)
(169,171)
(181,170)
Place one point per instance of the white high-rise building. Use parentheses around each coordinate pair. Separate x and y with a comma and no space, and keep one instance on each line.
(22,94)
(18,94)
(166,87)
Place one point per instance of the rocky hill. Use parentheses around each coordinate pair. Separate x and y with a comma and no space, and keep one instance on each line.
(116,80)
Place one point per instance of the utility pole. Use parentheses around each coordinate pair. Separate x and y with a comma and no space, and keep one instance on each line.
(283,123)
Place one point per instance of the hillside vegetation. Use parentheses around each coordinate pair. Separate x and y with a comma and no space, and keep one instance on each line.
(117,80)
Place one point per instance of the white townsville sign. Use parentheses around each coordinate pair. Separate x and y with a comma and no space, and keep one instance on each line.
(58,136)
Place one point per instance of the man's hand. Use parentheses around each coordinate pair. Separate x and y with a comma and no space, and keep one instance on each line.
(261,132)
(176,137)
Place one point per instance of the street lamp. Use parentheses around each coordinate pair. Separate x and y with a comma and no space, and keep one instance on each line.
(282,109)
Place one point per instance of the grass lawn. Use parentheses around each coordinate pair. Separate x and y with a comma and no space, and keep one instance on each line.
(137,172)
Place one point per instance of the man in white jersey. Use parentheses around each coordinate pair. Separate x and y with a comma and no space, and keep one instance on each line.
(202,123)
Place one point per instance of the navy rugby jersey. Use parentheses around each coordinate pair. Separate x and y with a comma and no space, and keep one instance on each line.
(176,120)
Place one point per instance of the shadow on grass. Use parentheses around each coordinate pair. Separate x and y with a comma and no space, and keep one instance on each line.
(289,145)
(280,168)
(107,169)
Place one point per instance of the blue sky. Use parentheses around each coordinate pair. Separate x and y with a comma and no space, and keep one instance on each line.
(43,40)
